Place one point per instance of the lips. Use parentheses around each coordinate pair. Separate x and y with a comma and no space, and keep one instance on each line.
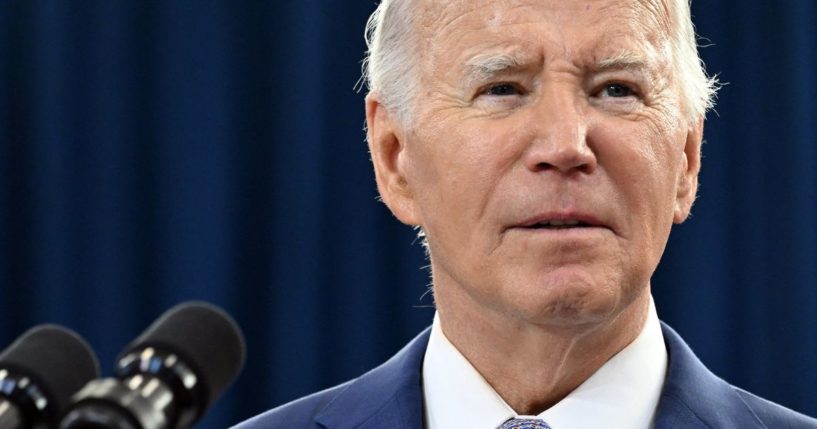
(556,221)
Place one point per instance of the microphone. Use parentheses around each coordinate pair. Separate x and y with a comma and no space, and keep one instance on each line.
(168,376)
(38,374)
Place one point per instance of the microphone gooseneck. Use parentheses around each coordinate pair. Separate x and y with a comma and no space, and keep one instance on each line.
(38,374)
(168,376)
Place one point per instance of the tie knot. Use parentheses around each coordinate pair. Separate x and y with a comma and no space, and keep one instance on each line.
(524,424)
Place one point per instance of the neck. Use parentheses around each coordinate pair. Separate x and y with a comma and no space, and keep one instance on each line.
(532,366)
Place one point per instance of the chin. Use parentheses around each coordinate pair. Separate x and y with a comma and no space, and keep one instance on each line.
(571,300)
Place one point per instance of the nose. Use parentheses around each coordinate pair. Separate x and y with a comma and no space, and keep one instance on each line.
(560,140)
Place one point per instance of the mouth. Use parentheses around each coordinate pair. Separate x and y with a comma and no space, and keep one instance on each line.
(558,224)
(561,221)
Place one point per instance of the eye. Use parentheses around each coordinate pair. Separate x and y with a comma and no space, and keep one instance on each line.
(500,97)
(616,90)
(502,90)
(618,98)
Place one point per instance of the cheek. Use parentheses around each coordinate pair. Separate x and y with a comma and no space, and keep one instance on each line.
(643,163)
(458,170)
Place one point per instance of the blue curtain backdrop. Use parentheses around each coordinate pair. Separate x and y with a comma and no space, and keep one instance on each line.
(156,152)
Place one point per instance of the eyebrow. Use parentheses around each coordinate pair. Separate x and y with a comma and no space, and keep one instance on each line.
(483,67)
(624,60)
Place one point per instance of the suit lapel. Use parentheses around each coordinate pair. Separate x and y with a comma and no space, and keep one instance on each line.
(389,396)
(693,397)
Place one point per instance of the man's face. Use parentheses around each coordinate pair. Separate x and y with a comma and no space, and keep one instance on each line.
(547,155)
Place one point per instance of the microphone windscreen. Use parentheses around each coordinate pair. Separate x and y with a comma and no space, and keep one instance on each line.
(204,337)
(56,359)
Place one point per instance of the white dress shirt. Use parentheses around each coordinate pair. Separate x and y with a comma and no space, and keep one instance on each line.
(622,394)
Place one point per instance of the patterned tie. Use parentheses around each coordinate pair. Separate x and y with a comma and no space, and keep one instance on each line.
(524,424)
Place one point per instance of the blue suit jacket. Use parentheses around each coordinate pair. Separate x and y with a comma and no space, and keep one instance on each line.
(390,396)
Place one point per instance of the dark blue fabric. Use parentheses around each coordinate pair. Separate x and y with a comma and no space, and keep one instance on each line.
(156,152)
(692,398)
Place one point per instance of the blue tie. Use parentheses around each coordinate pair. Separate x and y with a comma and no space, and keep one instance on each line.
(524,424)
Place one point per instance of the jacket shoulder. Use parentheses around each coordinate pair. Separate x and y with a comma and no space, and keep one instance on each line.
(775,416)
(390,393)
(695,397)
(299,413)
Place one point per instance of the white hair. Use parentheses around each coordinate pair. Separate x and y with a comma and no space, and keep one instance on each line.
(390,66)
(698,90)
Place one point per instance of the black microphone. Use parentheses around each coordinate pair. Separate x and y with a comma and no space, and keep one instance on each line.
(168,376)
(38,374)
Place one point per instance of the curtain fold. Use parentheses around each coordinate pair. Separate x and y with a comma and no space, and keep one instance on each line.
(157,152)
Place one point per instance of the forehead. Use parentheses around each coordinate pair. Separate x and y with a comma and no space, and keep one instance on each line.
(576,27)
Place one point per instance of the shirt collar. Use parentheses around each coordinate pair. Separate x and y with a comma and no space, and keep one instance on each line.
(624,390)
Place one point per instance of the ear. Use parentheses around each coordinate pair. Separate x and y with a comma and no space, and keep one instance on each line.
(688,172)
(387,147)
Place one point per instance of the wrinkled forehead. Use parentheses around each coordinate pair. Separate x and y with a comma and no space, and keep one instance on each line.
(436,13)
(612,24)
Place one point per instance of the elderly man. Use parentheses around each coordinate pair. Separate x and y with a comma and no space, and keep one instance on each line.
(545,148)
